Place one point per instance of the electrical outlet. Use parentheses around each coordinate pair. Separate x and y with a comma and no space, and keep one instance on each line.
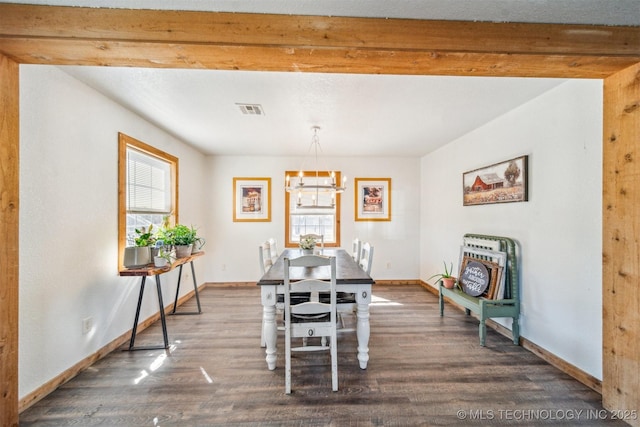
(224,267)
(87,325)
(388,265)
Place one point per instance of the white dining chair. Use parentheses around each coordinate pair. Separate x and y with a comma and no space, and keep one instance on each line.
(347,300)
(273,246)
(264,254)
(366,257)
(313,318)
(356,247)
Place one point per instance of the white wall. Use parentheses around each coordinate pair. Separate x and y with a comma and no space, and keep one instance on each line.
(68,222)
(236,249)
(68,218)
(559,229)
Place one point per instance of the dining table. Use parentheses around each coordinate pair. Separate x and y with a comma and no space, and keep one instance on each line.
(350,278)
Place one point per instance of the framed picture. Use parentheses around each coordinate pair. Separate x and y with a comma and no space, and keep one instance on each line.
(373,199)
(251,199)
(503,182)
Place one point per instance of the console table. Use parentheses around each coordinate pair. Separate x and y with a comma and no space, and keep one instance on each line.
(151,270)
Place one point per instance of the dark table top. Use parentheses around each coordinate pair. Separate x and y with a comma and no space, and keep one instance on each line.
(347,271)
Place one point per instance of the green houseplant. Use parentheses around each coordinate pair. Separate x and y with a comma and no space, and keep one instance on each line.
(140,254)
(164,257)
(145,236)
(446,278)
(182,237)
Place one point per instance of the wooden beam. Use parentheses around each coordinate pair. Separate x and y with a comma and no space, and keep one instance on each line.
(620,244)
(320,31)
(323,60)
(230,41)
(9,195)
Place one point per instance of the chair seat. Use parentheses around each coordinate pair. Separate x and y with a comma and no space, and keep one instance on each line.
(319,317)
(296,297)
(345,298)
(341,298)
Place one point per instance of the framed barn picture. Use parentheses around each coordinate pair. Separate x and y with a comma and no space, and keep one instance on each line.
(251,199)
(373,199)
(502,182)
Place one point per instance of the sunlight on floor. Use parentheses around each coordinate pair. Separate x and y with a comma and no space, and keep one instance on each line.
(143,375)
(206,376)
(155,365)
(382,301)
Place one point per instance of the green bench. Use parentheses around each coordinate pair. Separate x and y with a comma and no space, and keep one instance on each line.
(481,246)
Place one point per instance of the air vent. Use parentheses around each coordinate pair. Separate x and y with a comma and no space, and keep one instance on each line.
(251,109)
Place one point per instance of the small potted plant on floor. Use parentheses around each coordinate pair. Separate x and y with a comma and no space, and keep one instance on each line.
(446,278)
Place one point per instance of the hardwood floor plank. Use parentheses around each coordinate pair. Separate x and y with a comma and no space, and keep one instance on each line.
(423,370)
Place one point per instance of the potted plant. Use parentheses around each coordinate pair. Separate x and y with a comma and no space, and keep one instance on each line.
(145,236)
(182,237)
(307,244)
(140,254)
(164,258)
(446,278)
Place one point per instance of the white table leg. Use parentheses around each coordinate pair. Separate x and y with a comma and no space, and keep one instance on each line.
(269,316)
(363,298)
(269,327)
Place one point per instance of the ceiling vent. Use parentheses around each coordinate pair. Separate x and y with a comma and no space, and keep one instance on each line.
(251,109)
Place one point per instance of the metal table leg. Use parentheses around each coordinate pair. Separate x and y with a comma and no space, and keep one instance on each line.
(162,318)
(195,288)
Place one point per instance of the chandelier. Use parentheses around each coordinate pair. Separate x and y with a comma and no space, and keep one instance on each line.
(319,189)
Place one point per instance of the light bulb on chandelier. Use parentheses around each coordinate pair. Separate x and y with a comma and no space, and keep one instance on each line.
(323,195)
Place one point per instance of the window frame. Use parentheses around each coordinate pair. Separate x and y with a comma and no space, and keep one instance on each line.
(125,142)
(287,213)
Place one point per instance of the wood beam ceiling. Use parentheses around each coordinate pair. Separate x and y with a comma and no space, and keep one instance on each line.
(239,41)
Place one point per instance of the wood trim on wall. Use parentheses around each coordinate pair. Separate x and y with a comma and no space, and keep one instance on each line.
(620,249)
(9,255)
(52,35)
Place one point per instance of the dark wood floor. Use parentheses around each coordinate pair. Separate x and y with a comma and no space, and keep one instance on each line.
(423,370)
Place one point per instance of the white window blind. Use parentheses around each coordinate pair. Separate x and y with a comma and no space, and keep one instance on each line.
(148,183)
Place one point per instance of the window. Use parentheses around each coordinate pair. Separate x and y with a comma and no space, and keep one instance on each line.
(325,221)
(147,188)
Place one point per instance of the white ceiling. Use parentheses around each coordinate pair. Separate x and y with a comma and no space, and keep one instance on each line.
(363,115)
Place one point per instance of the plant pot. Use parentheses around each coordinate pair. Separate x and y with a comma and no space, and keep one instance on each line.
(183,251)
(307,251)
(136,256)
(197,246)
(154,252)
(160,262)
(449,282)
